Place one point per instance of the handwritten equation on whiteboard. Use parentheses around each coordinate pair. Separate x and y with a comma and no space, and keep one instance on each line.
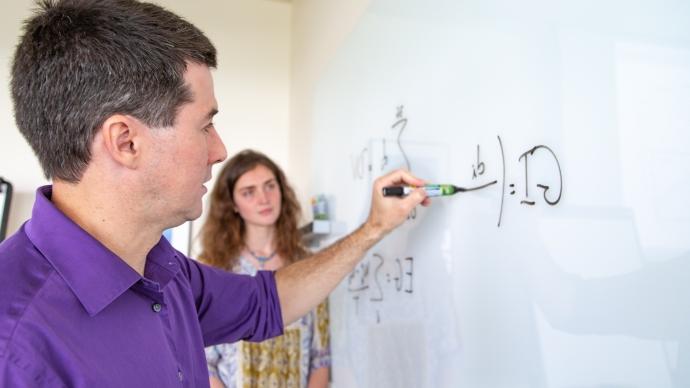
(363,163)
(552,196)
(377,278)
(380,280)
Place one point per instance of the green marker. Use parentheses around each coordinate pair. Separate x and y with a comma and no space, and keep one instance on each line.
(431,190)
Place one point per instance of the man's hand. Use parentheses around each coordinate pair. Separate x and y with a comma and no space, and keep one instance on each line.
(304,284)
(387,213)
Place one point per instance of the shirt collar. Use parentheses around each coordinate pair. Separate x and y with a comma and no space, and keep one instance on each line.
(95,274)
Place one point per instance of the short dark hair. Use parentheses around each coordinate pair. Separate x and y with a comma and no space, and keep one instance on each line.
(81,61)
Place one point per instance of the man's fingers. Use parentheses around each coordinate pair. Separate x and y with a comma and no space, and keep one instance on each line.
(388,213)
(399,177)
(419,195)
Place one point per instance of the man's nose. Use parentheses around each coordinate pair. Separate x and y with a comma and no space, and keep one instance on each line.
(216,152)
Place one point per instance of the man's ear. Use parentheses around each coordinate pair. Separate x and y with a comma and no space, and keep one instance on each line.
(123,137)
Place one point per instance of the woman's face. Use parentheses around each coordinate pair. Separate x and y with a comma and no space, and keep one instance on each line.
(257,197)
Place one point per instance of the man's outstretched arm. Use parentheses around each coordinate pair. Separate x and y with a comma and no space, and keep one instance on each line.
(304,284)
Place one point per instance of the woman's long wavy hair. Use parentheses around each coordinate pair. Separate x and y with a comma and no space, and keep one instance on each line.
(223,233)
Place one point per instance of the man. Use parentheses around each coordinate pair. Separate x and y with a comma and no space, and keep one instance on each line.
(116,99)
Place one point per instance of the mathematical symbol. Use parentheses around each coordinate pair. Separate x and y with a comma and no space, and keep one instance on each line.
(480,167)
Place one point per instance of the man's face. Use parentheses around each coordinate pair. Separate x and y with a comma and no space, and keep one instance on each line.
(183,155)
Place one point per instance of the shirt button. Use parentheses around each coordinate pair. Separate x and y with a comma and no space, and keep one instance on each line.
(180,375)
(156,307)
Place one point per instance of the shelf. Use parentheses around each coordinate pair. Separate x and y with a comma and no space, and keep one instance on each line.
(315,231)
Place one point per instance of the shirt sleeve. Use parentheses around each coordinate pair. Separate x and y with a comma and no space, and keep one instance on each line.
(234,307)
(11,376)
(320,353)
(16,372)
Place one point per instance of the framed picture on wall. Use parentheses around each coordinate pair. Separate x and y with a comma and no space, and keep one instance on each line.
(180,237)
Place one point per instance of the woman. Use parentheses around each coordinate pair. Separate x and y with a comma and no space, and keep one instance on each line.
(252,225)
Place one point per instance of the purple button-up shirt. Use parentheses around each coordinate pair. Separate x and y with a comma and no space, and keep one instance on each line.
(73,314)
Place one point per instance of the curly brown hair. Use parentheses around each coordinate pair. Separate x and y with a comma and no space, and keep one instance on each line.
(223,232)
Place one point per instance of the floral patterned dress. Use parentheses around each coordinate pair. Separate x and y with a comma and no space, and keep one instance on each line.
(284,361)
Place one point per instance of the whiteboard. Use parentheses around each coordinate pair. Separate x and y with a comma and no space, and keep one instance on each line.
(572,269)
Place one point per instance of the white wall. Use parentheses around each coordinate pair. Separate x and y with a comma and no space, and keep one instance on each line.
(252,84)
(252,81)
(17,162)
(318,29)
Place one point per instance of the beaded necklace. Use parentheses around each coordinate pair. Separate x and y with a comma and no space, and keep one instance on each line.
(262,259)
